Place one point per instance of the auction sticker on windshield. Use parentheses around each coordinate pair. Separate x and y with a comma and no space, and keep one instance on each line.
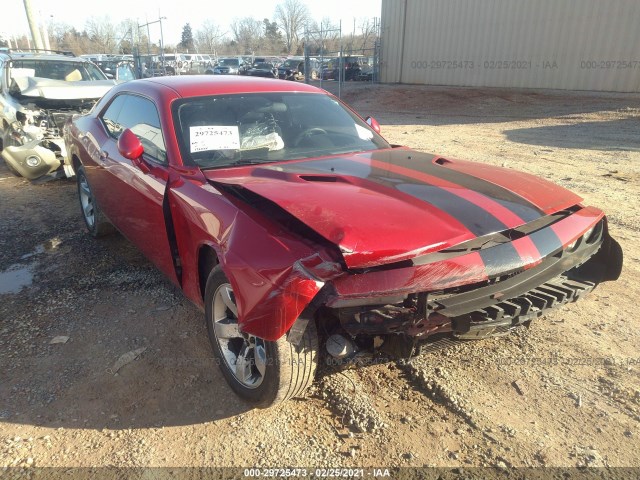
(212,137)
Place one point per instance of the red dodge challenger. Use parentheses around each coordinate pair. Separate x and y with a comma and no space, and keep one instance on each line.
(302,233)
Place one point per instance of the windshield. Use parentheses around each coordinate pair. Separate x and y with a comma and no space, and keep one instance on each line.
(56,70)
(222,131)
(291,63)
(229,62)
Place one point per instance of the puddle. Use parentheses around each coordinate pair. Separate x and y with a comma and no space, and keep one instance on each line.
(13,279)
(18,276)
(48,246)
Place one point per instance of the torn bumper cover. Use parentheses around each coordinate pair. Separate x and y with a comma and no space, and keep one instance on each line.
(467,293)
(427,301)
(36,157)
(34,145)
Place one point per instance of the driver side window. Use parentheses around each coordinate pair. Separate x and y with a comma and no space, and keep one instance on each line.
(140,116)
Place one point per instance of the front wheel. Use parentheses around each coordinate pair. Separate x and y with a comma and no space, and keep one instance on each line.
(260,371)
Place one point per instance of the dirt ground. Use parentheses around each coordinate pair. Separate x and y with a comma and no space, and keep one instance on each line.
(564,393)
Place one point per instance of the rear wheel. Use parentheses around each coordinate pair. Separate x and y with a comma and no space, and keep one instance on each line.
(94,219)
(260,371)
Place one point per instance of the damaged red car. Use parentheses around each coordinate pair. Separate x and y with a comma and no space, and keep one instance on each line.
(302,234)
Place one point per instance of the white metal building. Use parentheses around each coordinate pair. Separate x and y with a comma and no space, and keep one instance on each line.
(560,44)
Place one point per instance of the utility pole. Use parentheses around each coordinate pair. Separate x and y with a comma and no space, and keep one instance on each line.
(149,39)
(45,32)
(33,25)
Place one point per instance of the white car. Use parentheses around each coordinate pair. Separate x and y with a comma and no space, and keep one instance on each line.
(38,92)
(178,63)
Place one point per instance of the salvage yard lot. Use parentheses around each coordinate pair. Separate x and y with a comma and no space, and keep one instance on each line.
(565,392)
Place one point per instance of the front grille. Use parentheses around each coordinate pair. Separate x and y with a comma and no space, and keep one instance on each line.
(521,309)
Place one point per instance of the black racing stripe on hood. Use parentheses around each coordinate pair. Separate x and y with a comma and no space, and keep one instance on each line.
(477,220)
(423,163)
(546,241)
(474,218)
(500,259)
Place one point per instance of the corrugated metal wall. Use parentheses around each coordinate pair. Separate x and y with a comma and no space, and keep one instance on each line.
(563,44)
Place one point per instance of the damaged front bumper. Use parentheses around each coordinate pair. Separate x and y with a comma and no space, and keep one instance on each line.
(470,310)
(36,158)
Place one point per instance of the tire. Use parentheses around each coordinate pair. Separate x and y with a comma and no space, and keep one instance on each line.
(274,371)
(314,74)
(94,219)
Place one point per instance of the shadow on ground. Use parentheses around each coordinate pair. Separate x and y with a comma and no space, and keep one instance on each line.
(609,135)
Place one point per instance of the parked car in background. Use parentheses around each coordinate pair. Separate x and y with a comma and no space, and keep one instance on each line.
(118,69)
(275,61)
(351,67)
(367,71)
(198,63)
(38,92)
(208,60)
(228,66)
(267,70)
(328,68)
(293,69)
(305,236)
(176,63)
(150,66)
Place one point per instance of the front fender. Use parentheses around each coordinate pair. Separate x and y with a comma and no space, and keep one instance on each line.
(274,274)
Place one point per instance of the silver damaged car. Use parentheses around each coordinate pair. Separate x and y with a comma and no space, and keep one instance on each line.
(38,92)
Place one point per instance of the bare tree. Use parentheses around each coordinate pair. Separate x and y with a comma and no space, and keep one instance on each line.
(102,33)
(248,33)
(368,34)
(292,16)
(324,37)
(209,37)
(57,31)
(127,35)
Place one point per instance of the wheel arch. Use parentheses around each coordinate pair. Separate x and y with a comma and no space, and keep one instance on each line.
(75,161)
(207,261)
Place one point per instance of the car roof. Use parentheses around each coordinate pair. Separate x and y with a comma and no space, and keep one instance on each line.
(59,56)
(225,84)
(199,85)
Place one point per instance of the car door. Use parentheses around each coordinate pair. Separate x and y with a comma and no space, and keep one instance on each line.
(133,196)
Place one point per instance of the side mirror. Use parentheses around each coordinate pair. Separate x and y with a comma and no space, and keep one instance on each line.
(130,146)
(373,123)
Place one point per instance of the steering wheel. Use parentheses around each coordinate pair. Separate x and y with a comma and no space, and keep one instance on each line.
(309,132)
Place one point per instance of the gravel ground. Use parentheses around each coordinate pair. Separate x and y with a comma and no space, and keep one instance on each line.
(563,393)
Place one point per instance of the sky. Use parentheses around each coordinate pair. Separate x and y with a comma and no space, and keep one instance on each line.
(177,13)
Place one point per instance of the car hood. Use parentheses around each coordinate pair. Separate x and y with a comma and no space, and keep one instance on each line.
(44,88)
(392,205)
